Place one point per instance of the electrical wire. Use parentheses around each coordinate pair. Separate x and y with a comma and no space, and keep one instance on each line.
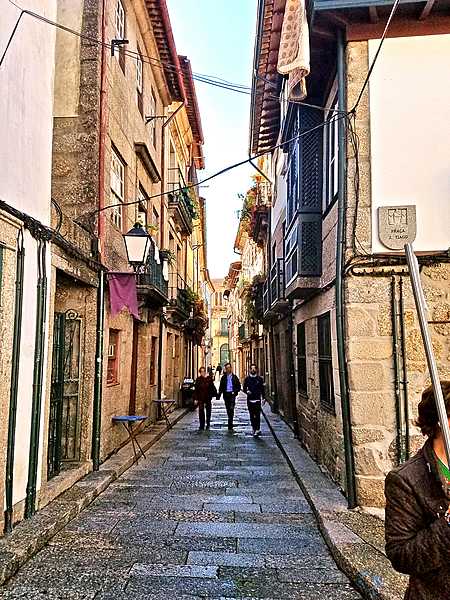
(211,80)
(375,58)
(224,170)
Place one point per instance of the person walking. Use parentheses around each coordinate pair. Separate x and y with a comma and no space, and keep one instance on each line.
(417,526)
(254,388)
(204,392)
(229,387)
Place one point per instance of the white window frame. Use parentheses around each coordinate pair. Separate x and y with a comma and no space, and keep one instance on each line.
(331,151)
(117,185)
(139,73)
(119,20)
(142,207)
(152,113)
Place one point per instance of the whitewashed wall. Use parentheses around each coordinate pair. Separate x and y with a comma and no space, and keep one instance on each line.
(26,123)
(410,134)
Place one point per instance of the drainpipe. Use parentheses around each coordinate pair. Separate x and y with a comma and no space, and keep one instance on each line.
(41,305)
(9,481)
(292,385)
(395,342)
(405,369)
(98,382)
(160,354)
(340,257)
(102,133)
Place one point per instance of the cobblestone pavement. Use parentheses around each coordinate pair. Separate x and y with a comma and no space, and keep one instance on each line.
(209,514)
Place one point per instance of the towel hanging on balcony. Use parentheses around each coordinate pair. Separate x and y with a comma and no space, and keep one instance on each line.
(122,293)
(293,55)
(165,270)
(157,257)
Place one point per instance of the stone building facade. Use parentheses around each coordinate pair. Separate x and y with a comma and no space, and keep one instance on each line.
(357,358)
(108,130)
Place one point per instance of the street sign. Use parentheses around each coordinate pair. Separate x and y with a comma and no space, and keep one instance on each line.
(397,226)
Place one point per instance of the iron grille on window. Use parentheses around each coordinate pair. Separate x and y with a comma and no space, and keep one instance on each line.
(325,363)
(301,359)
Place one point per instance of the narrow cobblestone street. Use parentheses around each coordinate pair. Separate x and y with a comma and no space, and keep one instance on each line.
(208,514)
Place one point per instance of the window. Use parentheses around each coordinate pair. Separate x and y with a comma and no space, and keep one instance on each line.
(302,381)
(140,83)
(291,254)
(112,376)
(120,32)
(141,207)
(153,346)
(117,188)
(331,155)
(152,123)
(224,326)
(325,363)
(155,222)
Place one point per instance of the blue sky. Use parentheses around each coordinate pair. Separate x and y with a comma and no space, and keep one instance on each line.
(218,37)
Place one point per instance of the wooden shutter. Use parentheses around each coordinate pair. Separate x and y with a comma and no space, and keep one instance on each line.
(310,193)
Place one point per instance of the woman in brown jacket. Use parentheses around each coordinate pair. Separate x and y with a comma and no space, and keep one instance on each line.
(205,391)
(417,510)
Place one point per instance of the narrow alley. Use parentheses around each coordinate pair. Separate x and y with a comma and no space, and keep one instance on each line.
(207,514)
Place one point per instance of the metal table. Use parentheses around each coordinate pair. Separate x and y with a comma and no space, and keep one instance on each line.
(165,404)
(128,421)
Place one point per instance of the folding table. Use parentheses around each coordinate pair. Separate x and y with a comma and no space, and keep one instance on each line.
(128,421)
(165,404)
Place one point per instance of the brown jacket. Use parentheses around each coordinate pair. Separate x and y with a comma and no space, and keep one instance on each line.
(417,535)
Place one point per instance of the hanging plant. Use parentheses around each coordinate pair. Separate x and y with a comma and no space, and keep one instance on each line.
(169,256)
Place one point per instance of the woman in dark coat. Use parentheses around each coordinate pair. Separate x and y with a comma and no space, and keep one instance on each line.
(417,510)
(205,391)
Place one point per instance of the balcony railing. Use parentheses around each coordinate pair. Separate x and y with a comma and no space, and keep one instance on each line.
(181,203)
(150,280)
(180,294)
(221,332)
(243,332)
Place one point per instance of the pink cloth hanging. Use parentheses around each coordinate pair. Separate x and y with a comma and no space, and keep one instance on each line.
(122,293)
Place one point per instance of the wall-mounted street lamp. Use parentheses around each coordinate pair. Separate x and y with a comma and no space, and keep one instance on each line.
(137,244)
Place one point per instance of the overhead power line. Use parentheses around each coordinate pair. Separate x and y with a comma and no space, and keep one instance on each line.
(212,80)
(375,58)
(228,168)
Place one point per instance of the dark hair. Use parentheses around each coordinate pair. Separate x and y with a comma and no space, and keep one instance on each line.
(253,365)
(428,420)
(226,365)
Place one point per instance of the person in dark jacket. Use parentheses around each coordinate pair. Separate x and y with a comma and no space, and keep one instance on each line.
(417,523)
(254,388)
(205,391)
(230,386)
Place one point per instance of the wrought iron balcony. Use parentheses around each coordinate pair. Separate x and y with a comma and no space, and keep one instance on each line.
(180,296)
(243,332)
(181,205)
(151,285)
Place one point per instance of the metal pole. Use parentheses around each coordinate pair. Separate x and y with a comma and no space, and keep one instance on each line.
(98,383)
(421,308)
(30,501)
